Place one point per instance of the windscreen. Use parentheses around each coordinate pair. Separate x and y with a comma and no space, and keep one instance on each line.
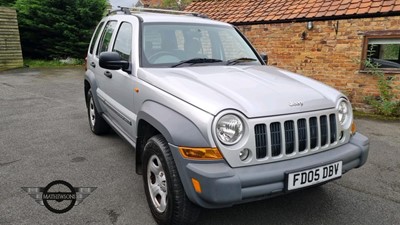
(170,45)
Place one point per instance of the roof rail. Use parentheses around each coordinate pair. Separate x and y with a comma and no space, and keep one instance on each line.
(125,10)
(130,10)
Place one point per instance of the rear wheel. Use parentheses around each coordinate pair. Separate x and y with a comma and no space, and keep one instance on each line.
(97,124)
(164,191)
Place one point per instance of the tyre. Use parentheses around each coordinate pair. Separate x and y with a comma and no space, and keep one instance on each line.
(164,191)
(97,124)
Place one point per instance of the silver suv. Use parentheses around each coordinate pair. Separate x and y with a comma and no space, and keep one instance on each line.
(211,123)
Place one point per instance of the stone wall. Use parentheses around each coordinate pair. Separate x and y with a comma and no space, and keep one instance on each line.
(10,46)
(331,52)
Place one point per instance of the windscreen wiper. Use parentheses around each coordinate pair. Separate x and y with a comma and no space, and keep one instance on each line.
(239,60)
(197,61)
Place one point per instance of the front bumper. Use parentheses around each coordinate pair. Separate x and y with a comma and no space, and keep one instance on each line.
(224,186)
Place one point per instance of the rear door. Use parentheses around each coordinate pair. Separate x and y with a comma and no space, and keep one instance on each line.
(102,80)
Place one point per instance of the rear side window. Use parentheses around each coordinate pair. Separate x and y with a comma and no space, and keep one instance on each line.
(94,39)
(106,37)
(123,41)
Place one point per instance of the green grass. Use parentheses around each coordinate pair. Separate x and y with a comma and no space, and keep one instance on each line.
(40,63)
(359,115)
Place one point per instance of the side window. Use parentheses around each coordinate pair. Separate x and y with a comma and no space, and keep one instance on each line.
(106,37)
(123,41)
(95,36)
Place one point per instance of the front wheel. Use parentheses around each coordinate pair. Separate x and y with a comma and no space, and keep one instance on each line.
(164,191)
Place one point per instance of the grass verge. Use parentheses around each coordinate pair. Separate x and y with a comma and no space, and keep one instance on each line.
(361,115)
(40,63)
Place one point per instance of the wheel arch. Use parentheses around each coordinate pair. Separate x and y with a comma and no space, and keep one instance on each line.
(155,118)
(90,83)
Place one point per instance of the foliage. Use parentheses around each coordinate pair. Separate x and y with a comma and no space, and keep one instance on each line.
(391,51)
(385,104)
(7,2)
(56,28)
(175,4)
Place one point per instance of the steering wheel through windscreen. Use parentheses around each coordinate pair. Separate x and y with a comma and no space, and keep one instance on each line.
(163,57)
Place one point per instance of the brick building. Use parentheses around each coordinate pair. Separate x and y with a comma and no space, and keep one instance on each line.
(323,39)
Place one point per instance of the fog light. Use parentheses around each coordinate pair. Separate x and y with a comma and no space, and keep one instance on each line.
(244,154)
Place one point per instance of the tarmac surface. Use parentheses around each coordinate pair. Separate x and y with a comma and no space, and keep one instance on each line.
(45,136)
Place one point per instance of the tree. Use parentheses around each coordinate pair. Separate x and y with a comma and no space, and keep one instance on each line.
(175,4)
(7,2)
(57,28)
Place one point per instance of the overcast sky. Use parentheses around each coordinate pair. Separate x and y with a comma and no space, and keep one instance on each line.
(125,3)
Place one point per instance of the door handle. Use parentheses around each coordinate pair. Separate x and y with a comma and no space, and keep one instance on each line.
(93,65)
(108,74)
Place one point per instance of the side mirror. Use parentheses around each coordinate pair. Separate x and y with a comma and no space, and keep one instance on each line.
(264,57)
(112,61)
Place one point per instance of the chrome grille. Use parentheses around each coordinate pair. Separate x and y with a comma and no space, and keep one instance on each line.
(291,137)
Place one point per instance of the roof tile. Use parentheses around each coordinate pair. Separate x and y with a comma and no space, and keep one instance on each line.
(344,6)
(387,8)
(376,4)
(363,10)
(374,10)
(388,3)
(351,11)
(239,11)
(365,4)
(354,5)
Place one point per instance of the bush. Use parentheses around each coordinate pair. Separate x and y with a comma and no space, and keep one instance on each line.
(384,104)
(57,28)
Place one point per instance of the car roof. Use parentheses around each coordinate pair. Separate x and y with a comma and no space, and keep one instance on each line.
(149,17)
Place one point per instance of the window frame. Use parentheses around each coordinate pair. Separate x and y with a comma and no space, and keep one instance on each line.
(389,34)
(96,38)
(101,40)
(116,36)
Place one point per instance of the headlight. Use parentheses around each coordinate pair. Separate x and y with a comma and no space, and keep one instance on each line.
(229,129)
(344,113)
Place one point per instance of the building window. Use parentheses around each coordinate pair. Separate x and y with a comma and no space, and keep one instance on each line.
(383,51)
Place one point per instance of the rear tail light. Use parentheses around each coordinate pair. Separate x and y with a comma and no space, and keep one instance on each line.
(85,63)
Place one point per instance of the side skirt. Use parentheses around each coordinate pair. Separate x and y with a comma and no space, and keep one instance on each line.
(119,131)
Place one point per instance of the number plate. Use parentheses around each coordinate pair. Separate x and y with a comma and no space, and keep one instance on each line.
(305,178)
